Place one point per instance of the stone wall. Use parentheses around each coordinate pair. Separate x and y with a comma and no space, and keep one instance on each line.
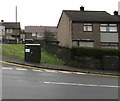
(66,54)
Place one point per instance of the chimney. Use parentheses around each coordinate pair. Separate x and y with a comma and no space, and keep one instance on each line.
(2,20)
(115,12)
(81,8)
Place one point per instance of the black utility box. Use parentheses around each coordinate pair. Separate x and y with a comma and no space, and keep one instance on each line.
(33,53)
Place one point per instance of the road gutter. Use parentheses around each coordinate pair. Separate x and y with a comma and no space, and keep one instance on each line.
(57,70)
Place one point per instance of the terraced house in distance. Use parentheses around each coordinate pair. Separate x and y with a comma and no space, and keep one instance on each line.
(37,33)
(88,28)
(12,32)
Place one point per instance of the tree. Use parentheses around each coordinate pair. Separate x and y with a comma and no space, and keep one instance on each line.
(49,36)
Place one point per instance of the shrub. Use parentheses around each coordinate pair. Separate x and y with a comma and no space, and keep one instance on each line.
(88,51)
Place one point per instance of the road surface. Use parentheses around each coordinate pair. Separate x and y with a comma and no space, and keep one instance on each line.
(32,83)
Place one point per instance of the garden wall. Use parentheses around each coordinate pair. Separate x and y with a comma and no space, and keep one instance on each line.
(93,58)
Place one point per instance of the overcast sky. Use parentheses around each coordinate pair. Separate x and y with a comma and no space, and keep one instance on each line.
(47,12)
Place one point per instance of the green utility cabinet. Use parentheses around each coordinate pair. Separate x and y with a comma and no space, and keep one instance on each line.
(33,53)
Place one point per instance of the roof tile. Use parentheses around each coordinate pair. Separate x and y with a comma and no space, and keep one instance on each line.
(91,16)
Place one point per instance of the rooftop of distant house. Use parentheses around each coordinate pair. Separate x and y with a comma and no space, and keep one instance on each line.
(10,25)
(40,29)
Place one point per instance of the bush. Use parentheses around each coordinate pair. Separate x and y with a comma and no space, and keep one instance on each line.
(88,51)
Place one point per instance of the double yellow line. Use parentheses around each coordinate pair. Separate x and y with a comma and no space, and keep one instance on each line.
(56,70)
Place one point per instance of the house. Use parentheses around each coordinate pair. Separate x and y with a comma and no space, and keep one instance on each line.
(2,31)
(22,36)
(119,32)
(12,32)
(38,32)
(88,29)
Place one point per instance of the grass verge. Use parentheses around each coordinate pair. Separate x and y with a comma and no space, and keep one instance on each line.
(17,51)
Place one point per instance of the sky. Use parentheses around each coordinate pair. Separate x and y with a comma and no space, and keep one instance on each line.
(48,12)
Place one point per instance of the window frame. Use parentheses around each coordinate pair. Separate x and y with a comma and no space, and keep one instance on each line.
(9,30)
(34,34)
(108,27)
(109,44)
(91,44)
(87,25)
(39,35)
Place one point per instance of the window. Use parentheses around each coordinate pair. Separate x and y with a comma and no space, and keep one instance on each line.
(113,24)
(109,45)
(87,27)
(40,35)
(109,37)
(115,47)
(108,27)
(86,44)
(9,30)
(9,37)
(103,29)
(113,29)
(3,31)
(104,24)
(33,34)
(0,37)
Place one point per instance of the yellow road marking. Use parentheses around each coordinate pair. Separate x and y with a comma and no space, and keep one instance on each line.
(57,70)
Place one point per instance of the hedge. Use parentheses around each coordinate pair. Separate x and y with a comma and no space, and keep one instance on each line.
(90,51)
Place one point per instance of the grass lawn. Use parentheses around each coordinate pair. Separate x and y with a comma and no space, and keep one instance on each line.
(17,51)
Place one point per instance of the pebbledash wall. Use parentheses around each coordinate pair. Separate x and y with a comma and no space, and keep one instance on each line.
(91,62)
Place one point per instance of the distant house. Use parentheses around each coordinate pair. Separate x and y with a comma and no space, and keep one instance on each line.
(119,30)
(12,32)
(22,36)
(38,32)
(88,29)
(2,31)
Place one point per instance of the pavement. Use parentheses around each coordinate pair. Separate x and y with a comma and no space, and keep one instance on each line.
(57,67)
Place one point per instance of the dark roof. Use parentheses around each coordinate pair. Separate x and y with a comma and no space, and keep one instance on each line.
(91,16)
(11,24)
(39,29)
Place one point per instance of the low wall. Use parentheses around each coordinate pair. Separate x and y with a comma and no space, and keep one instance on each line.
(87,62)
(61,52)
(91,62)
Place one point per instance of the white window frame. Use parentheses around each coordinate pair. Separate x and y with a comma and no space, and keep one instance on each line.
(113,29)
(40,35)
(112,24)
(9,30)
(108,28)
(109,45)
(33,34)
(88,27)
